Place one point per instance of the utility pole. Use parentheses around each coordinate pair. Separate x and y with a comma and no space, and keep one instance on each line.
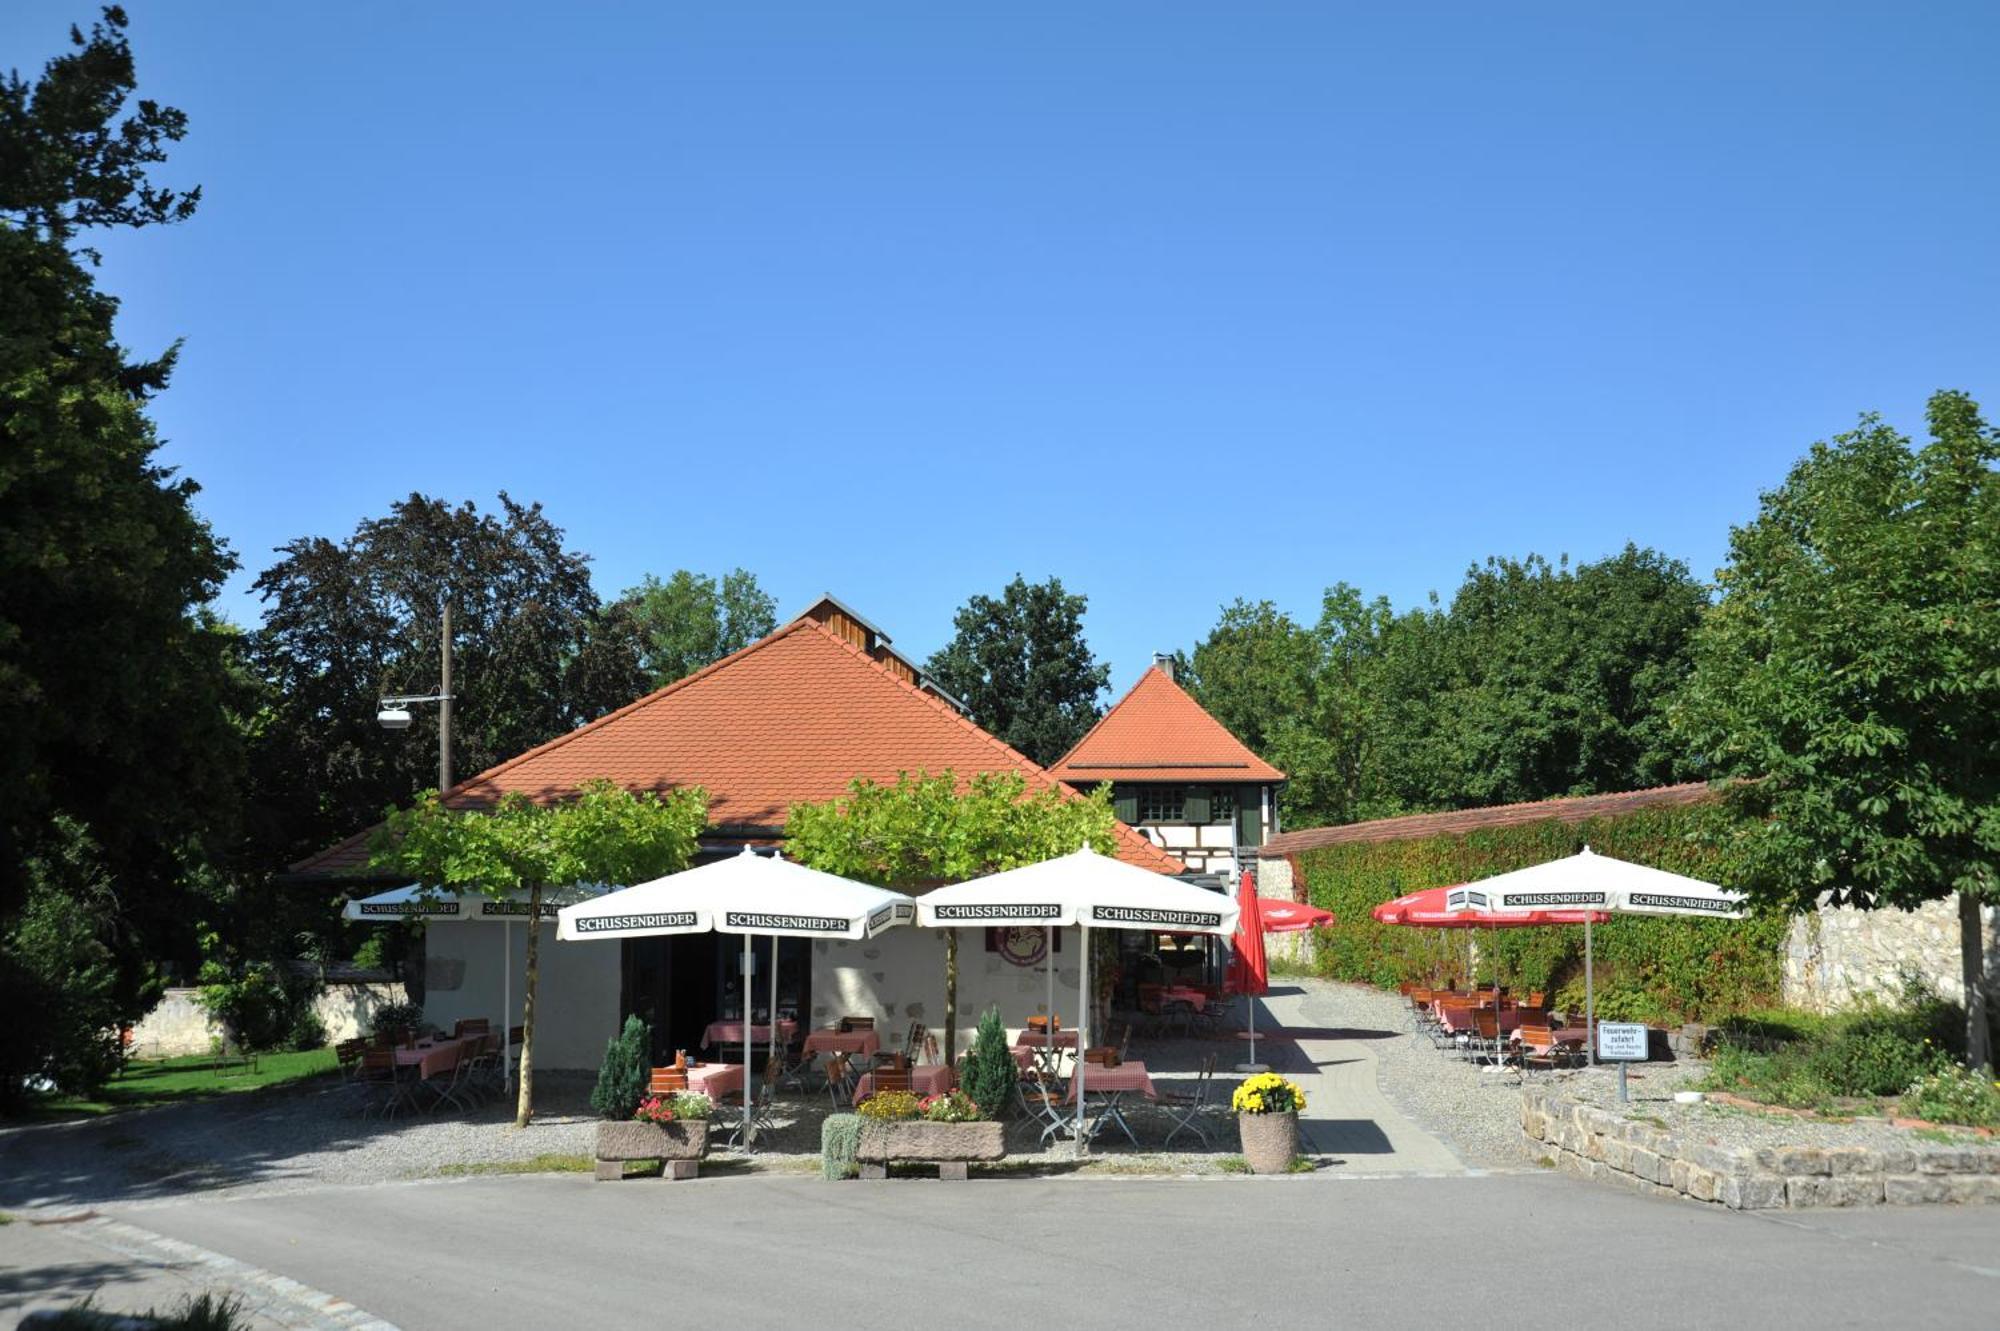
(394,711)
(444,709)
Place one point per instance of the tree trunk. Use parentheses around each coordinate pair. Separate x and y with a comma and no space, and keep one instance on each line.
(950,997)
(1972,955)
(524,1109)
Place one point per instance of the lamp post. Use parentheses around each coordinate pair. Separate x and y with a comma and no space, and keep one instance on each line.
(393,712)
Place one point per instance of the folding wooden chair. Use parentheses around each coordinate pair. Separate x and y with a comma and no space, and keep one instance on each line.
(1042,1105)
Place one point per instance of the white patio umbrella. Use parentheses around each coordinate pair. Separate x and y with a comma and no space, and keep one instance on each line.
(431,903)
(744,894)
(1589,881)
(1085,889)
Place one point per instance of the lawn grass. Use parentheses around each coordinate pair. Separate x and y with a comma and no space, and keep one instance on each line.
(149,1082)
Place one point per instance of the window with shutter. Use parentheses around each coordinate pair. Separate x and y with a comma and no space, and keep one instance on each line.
(1125,804)
(1194,806)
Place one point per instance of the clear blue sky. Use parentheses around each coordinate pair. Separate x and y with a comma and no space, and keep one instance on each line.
(1180,302)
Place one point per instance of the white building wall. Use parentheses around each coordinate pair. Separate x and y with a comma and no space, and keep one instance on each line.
(579,987)
(899,978)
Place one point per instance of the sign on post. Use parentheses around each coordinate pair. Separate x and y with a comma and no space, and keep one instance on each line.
(1621,1040)
(1623,1043)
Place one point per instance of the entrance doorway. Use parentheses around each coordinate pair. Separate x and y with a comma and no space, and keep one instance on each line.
(679,984)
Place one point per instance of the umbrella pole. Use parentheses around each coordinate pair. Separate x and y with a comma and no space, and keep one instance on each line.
(1589,998)
(1049,1026)
(772,1011)
(1082,1024)
(749,1037)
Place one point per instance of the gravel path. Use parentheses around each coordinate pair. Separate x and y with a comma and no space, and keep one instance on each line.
(1477,1113)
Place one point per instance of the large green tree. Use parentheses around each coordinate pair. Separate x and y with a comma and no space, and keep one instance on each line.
(1021,665)
(1535,680)
(692,619)
(534,655)
(1852,664)
(925,830)
(119,750)
(604,835)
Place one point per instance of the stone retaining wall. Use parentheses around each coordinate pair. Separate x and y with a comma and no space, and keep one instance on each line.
(1593,1142)
(180,1025)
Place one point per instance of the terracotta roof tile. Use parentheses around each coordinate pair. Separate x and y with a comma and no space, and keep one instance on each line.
(1570,809)
(792,718)
(1157,732)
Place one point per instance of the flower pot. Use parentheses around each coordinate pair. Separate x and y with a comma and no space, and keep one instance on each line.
(677,1145)
(947,1145)
(1270,1141)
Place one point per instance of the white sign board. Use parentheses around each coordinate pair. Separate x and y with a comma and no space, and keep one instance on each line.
(1621,1041)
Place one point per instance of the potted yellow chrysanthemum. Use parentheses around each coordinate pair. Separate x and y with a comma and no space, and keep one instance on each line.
(1267,1117)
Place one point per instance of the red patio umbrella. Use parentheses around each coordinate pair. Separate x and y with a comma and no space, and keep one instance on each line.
(1290,917)
(1249,971)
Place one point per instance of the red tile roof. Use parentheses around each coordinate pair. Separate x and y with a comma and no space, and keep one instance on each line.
(1569,809)
(792,718)
(1158,733)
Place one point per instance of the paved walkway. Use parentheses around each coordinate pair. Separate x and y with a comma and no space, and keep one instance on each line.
(1346,1115)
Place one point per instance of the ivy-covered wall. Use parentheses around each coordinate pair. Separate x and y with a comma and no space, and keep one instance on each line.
(1648,968)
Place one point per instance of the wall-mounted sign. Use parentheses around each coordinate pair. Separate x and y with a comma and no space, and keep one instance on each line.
(1621,1041)
(1022,945)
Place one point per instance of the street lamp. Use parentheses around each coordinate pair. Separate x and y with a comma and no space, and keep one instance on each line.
(393,712)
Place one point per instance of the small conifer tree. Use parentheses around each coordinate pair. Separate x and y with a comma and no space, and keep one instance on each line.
(989,1070)
(621,1078)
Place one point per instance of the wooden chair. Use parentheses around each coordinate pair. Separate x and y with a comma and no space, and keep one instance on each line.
(848,1024)
(470,1026)
(840,1082)
(889,1079)
(666,1081)
(347,1054)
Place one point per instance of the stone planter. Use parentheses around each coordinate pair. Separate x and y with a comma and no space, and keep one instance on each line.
(1270,1141)
(949,1146)
(678,1146)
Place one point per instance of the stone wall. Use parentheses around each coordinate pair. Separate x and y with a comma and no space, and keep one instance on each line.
(180,1025)
(1592,1142)
(1839,956)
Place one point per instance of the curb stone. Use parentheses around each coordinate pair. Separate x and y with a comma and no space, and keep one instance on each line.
(265,1293)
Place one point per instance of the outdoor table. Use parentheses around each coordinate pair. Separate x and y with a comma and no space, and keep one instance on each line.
(926,1079)
(865,1044)
(409,1058)
(1045,1051)
(724,1033)
(715,1080)
(1113,1084)
(1180,993)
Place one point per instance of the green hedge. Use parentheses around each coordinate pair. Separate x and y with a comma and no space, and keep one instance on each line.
(1648,968)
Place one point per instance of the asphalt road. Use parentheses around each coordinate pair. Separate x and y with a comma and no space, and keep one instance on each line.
(1501,1250)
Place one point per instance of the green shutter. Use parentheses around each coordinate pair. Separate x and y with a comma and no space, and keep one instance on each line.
(1195,808)
(1125,804)
(1249,817)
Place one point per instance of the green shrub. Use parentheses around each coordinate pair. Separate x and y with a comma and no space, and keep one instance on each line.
(1954,1094)
(1872,1060)
(621,1077)
(307,1032)
(839,1144)
(990,1071)
(261,1006)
